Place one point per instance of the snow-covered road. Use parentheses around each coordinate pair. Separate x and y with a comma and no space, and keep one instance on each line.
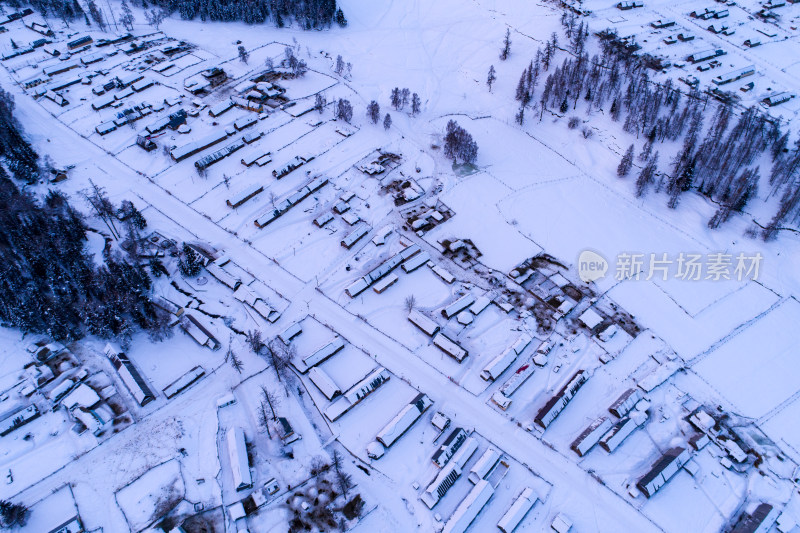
(572,486)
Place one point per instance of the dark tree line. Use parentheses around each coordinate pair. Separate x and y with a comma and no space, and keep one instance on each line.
(720,159)
(66,10)
(308,14)
(48,282)
(20,158)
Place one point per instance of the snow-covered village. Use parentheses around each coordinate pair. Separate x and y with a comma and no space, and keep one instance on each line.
(398,266)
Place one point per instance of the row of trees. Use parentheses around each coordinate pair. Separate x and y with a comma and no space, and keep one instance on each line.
(400,99)
(308,14)
(343,109)
(721,160)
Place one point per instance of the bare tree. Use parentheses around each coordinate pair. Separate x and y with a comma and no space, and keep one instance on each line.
(271,399)
(319,102)
(344,481)
(280,355)
(127,19)
(230,348)
(318,466)
(410,302)
(263,419)
(102,206)
(336,461)
(155,17)
(236,363)
(254,340)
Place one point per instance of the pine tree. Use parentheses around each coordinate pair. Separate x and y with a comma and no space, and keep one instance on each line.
(416,104)
(625,164)
(647,176)
(13,515)
(522,89)
(615,110)
(519,118)
(490,79)
(646,151)
(547,56)
(395,98)
(779,146)
(373,112)
(131,215)
(506,50)
(191,263)
(529,77)
(682,183)
(387,121)
(340,20)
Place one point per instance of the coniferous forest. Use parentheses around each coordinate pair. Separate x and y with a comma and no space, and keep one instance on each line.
(724,151)
(49,283)
(308,14)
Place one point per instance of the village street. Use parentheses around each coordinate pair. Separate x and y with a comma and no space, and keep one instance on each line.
(574,483)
